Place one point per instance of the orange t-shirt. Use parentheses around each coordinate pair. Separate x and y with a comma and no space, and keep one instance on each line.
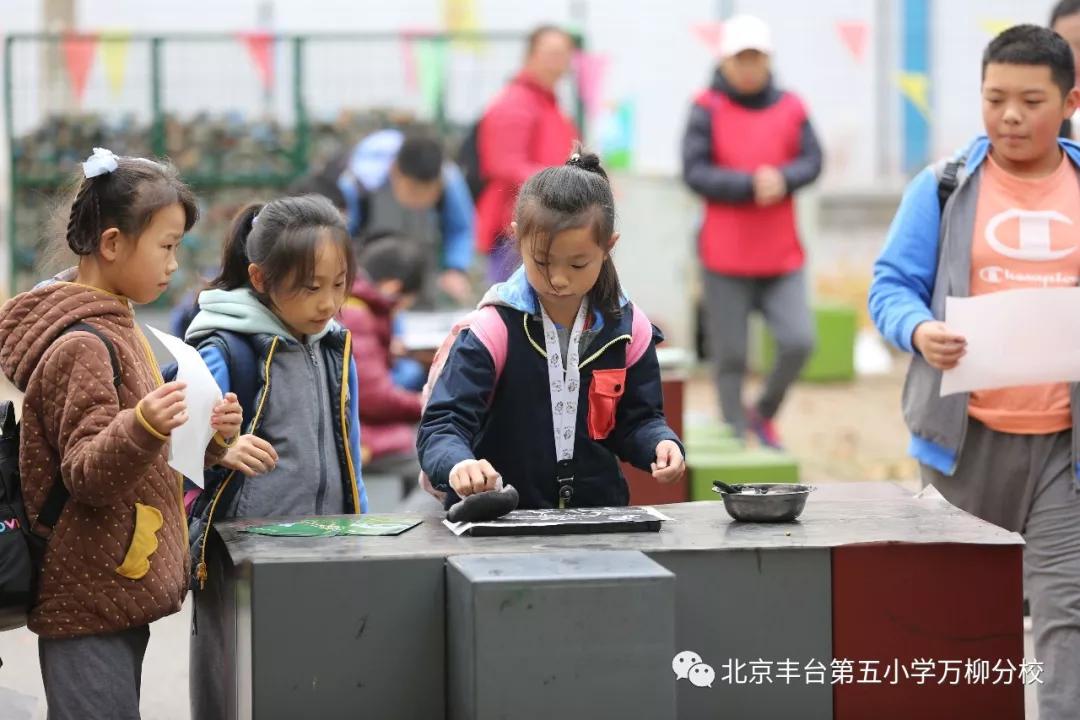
(1026,235)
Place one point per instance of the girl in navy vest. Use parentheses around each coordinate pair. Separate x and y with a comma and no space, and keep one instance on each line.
(266,330)
(565,380)
(747,149)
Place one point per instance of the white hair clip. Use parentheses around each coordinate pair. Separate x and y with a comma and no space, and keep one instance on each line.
(100,162)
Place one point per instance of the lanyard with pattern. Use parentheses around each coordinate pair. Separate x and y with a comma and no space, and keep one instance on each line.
(563,386)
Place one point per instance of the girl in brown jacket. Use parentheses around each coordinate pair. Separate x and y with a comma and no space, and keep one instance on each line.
(117,558)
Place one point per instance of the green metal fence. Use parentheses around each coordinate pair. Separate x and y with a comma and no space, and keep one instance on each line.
(241,115)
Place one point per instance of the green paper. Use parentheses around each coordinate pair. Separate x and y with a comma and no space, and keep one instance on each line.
(334,526)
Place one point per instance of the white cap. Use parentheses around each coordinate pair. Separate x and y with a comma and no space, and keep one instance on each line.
(744,32)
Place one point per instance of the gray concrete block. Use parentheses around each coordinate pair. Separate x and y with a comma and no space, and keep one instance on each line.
(736,607)
(578,634)
(345,639)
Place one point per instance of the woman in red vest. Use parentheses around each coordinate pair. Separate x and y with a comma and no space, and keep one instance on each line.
(748,147)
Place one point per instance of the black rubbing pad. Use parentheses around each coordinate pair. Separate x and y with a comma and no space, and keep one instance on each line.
(485,506)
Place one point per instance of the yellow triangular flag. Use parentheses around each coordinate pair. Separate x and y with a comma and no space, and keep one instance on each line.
(995,26)
(459,16)
(916,88)
(114,51)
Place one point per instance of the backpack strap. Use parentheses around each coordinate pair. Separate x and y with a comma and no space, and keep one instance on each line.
(641,333)
(948,180)
(58,494)
(113,358)
(488,327)
(243,364)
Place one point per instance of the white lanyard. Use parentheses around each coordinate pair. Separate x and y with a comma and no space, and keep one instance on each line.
(563,387)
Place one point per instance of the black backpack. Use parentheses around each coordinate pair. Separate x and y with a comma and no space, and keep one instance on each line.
(468,159)
(22,551)
(949,181)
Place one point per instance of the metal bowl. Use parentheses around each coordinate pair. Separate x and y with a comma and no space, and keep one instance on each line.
(770,502)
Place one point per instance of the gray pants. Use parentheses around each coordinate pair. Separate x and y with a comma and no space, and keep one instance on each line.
(1025,483)
(98,676)
(729,300)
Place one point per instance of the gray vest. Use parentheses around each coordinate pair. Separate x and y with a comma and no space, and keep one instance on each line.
(944,420)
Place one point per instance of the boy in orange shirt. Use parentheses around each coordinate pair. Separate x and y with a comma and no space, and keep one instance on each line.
(1002,215)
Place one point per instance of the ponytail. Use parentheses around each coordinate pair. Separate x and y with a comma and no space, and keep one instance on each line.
(574,195)
(281,238)
(234,258)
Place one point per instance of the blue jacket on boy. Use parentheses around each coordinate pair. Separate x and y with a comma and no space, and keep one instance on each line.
(368,170)
(926,258)
(510,425)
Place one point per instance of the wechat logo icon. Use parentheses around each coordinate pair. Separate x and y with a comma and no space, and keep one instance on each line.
(688,666)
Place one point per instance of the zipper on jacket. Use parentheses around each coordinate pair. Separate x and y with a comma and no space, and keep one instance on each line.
(200,569)
(583,363)
(161,381)
(320,400)
(351,474)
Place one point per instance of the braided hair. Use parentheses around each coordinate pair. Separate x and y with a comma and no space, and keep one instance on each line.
(126,199)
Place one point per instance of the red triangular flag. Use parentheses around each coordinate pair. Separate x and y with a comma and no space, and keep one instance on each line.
(79,57)
(590,69)
(408,55)
(709,33)
(260,46)
(854,34)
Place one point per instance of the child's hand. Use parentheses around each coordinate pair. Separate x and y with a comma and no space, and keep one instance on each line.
(939,347)
(227,418)
(769,186)
(669,465)
(251,455)
(473,476)
(165,409)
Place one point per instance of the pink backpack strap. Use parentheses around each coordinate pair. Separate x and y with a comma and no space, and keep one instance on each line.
(488,326)
(640,337)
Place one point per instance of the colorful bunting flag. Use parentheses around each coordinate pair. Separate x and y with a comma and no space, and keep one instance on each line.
(78,58)
(915,87)
(260,46)
(855,35)
(114,52)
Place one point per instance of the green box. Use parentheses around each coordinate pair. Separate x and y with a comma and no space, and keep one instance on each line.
(833,359)
(747,466)
(707,433)
(713,446)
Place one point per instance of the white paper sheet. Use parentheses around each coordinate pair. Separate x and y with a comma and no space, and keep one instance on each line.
(187,446)
(426,330)
(1015,337)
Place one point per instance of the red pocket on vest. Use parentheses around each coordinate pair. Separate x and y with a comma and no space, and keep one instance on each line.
(604,393)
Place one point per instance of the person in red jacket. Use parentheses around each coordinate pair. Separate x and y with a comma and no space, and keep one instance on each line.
(392,274)
(748,147)
(522,131)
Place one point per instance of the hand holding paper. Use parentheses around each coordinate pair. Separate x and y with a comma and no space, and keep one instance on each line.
(941,347)
(1015,337)
(188,440)
(164,408)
